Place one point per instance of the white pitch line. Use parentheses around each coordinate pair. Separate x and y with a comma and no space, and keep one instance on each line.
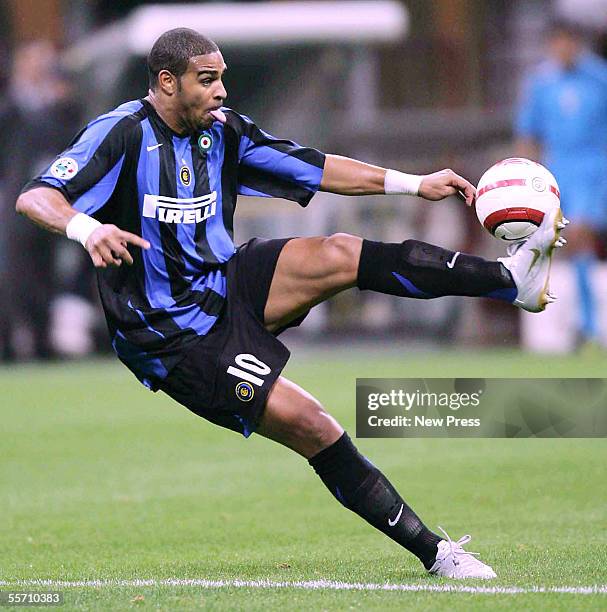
(312,585)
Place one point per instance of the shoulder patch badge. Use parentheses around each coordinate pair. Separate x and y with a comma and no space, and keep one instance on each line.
(64,168)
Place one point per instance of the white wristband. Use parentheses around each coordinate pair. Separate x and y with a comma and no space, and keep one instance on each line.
(80,227)
(401,183)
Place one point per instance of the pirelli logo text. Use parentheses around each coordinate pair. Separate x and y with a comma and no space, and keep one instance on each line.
(180,210)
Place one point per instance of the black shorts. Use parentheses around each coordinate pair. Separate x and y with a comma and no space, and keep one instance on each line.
(226,377)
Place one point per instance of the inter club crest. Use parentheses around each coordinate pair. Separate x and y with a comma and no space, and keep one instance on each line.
(185,176)
(244,391)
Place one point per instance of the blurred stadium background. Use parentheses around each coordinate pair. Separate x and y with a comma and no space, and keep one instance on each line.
(417,85)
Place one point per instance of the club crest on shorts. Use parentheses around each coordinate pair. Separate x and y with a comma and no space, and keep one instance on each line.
(64,168)
(205,142)
(185,176)
(244,391)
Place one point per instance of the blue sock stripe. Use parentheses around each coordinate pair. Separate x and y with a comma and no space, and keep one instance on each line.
(507,295)
(411,288)
(340,497)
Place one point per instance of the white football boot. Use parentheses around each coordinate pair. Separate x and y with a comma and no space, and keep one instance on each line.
(452,561)
(530,263)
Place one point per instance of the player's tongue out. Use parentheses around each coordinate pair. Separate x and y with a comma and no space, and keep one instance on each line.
(218,115)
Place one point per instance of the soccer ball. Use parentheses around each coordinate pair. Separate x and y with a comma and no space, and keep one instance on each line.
(512,197)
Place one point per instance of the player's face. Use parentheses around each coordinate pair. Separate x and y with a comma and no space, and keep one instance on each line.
(201,91)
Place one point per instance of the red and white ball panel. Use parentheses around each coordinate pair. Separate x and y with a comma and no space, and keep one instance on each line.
(512,197)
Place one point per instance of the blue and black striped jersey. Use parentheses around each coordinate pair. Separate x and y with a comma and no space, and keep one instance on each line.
(129,168)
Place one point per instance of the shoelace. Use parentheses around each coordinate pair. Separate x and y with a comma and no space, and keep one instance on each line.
(456,547)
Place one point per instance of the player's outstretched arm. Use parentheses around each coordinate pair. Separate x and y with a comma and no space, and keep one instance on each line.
(106,244)
(347,176)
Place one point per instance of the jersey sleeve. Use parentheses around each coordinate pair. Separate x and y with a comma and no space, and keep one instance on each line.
(528,120)
(86,173)
(275,168)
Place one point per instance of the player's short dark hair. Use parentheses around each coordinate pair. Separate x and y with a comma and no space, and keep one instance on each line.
(173,50)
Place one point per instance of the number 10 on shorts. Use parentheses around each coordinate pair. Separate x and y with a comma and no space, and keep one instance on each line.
(248,367)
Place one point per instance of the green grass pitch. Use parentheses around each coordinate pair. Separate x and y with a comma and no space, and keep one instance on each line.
(102,480)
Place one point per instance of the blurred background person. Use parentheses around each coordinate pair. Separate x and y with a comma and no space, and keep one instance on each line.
(38,116)
(562,122)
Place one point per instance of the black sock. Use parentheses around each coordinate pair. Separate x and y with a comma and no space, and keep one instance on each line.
(362,488)
(420,270)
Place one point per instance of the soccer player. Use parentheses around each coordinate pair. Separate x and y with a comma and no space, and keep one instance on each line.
(149,189)
(562,119)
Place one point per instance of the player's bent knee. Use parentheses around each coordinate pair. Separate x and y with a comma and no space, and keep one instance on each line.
(310,430)
(342,252)
(296,419)
(314,426)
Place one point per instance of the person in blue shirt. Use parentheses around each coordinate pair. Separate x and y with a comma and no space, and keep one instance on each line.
(562,121)
(150,188)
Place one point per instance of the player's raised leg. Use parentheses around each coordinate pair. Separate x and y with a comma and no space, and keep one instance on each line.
(310,270)
(295,419)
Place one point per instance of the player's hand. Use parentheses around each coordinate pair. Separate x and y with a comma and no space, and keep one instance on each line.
(107,246)
(439,185)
